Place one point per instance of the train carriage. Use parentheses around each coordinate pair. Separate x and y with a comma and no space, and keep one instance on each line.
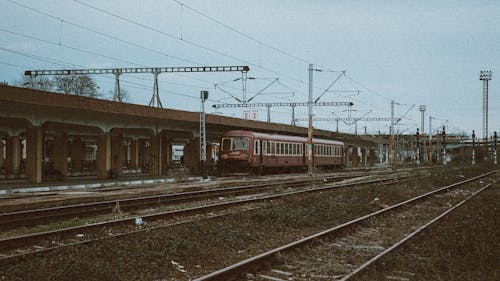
(246,151)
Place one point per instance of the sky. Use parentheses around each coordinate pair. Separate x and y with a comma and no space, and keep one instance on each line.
(413,52)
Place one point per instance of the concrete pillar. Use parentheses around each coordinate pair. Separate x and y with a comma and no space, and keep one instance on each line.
(355,156)
(143,155)
(166,154)
(103,156)
(372,157)
(61,154)
(192,156)
(364,157)
(13,155)
(77,153)
(117,153)
(34,154)
(2,145)
(134,154)
(155,155)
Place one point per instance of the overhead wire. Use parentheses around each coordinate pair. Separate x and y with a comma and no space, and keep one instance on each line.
(117,39)
(189,42)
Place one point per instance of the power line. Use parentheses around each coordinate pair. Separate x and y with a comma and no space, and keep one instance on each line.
(113,38)
(185,41)
(102,33)
(241,33)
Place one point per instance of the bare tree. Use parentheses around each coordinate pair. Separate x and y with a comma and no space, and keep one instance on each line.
(80,85)
(123,93)
(42,83)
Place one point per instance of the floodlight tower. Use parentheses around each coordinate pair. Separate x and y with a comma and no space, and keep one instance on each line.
(485,76)
(422,110)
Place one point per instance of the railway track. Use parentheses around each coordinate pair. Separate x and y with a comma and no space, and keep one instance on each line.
(25,245)
(287,261)
(10,220)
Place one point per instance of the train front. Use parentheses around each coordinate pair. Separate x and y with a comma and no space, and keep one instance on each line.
(235,153)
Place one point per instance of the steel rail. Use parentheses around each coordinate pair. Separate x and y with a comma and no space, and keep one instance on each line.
(364,266)
(224,273)
(60,234)
(36,216)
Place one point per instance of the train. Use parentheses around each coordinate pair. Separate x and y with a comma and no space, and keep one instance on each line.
(255,152)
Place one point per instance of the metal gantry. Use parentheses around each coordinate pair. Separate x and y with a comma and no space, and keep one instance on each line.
(281,104)
(155,99)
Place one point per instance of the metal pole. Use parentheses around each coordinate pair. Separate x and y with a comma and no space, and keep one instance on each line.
(155,99)
(293,115)
(430,139)
(473,147)
(268,113)
(117,96)
(310,128)
(418,148)
(495,148)
(203,135)
(444,146)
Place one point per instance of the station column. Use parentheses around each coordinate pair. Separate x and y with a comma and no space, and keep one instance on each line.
(77,152)
(354,156)
(61,154)
(155,155)
(12,156)
(103,155)
(34,154)
(116,153)
(134,154)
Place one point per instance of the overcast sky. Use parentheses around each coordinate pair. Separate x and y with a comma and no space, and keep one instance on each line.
(413,52)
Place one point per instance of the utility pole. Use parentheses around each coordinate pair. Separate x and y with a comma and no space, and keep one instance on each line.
(444,146)
(310,127)
(495,148)
(430,139)
(473,147)
(203,135)
(485,76)
(417,136)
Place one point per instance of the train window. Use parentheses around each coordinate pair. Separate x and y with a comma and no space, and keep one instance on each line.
(226,144)
(286,148)
(264,147)
(240,143)
(295,149)
(256,147)
(273,147)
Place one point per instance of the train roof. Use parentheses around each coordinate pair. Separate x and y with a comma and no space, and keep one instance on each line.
(274,137)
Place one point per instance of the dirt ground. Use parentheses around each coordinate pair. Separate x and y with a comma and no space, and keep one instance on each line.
(465,245)
(186,251)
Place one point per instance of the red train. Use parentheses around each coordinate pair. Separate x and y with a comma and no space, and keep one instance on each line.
(246,151)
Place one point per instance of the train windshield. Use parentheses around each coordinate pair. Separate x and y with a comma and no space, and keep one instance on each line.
(235,144)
